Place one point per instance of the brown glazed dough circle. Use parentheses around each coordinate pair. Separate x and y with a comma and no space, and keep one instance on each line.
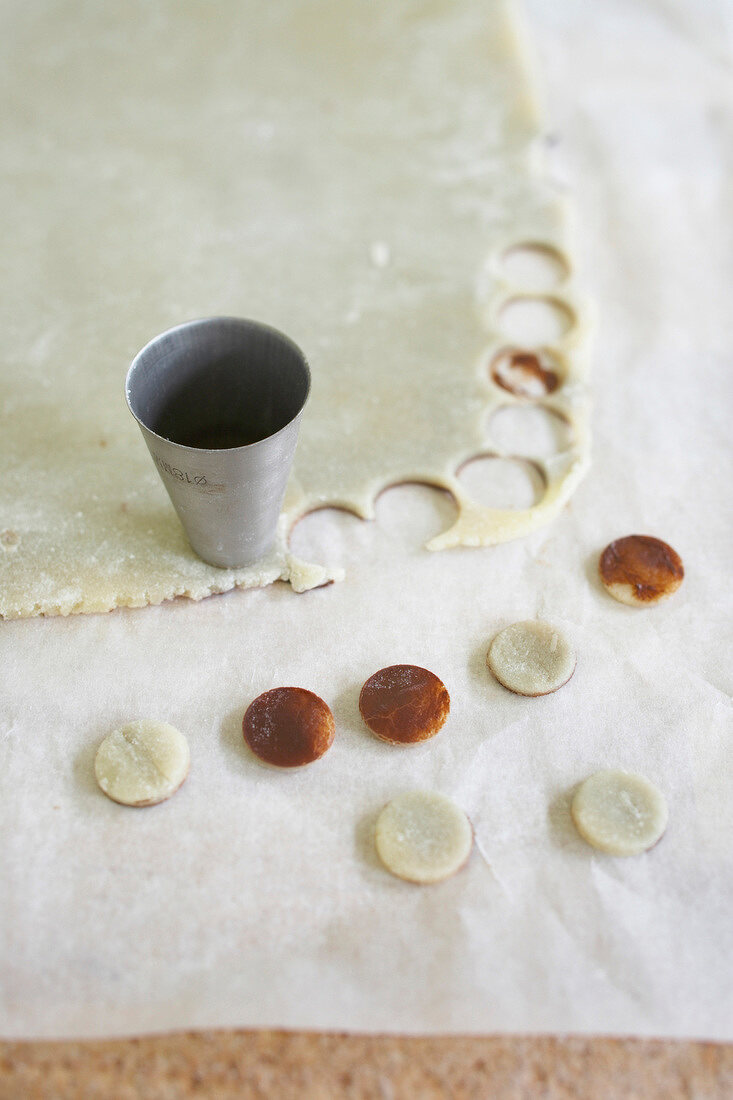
(640,570)
(404,704)
(288,727)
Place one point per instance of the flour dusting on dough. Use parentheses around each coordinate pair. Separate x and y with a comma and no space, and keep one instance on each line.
(357,188)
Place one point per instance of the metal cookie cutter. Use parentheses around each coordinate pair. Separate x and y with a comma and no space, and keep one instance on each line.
(219,403)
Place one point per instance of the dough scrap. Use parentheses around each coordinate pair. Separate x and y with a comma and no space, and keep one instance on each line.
(531,658)
(142,763)
(619,812)
(259,188)
(423,837)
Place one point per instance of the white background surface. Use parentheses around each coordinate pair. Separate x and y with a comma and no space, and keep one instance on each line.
(254,898)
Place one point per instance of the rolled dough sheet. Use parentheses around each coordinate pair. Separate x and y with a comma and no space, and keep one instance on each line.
(350,173)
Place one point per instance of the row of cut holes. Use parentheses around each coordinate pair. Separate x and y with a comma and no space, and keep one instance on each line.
(531,320)
(504,483)
(534,320)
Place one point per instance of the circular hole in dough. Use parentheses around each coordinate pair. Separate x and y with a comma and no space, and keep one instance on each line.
(640,570)
(288,727)
(505,483)
(528,374)
(535,320)
(534,266)
(423,837)
(404,704)
(325,533)
(619,812)
(529,430)
(142,763)
(412,512)
(531,658)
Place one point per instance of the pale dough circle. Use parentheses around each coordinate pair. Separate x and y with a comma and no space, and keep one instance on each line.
(619,812)
(423,837)
(531,658)
(142,763)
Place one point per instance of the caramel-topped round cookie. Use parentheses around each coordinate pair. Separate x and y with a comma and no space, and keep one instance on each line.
(640,570)
(288,727)
(404,704)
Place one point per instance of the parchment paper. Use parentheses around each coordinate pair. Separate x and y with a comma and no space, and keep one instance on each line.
(253,898)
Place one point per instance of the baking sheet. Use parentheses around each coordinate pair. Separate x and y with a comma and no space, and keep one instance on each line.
(253,898)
